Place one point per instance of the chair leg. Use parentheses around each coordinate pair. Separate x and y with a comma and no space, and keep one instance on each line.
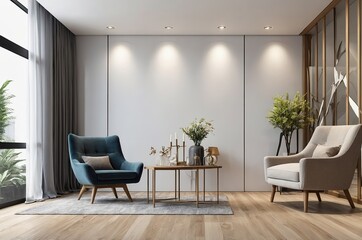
(125,189)
(349,198)
(318,196)
(306,194)
(94,192)
(114,192)
(81,192)
(273,193)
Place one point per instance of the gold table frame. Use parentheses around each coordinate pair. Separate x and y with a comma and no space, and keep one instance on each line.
(178,169)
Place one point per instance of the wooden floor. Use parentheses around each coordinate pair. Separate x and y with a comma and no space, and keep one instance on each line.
(254,218)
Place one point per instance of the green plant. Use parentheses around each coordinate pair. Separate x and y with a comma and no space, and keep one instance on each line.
(5,110)
(198,130)
(10,171)
(289,115)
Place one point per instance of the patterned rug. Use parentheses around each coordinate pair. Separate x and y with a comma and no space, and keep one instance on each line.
(108,205)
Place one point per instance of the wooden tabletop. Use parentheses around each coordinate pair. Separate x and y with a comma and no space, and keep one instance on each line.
(181,167)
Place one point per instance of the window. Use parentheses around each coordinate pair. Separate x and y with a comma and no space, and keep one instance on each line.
(14,23)
(13,67)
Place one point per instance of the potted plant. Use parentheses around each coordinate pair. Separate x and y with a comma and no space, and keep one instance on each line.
(289,115)
(197,131)
(12,174)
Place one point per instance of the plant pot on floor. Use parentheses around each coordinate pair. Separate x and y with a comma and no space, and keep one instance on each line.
(11,193)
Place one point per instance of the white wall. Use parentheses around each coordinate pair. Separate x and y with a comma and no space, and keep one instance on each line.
(273,67)
(92,80)
(158,84)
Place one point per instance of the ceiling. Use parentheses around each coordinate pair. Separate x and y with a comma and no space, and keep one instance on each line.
(188,17)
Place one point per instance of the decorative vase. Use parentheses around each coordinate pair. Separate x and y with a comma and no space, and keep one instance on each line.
(163,161)
(196,155)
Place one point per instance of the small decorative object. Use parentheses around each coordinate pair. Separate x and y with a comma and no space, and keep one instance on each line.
(197,160)
(164,156)
(176,160)
(152,151)
(211,157)
(163,159)
(289,115)
(197,131)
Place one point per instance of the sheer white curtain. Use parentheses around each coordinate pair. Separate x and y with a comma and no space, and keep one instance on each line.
(40,173)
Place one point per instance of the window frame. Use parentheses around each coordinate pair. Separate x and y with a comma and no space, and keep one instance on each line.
(21,51)
(10,45)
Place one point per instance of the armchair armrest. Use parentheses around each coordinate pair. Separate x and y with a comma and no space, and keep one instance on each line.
(270,161)
(133,166)
(84,173)
(327,173)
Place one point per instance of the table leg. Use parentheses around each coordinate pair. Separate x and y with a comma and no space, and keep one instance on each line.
(154,187)
(204,184)
(175,185)
(193,174)
(217,185)
(179,183)
(148,186)
(197,187)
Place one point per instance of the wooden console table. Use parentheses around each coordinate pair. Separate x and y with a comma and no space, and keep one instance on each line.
(177,170)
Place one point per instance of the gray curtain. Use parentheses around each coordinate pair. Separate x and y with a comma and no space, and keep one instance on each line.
(52,105)
(39,172)
(64,104)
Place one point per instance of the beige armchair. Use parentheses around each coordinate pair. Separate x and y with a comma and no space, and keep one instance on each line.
(328,162)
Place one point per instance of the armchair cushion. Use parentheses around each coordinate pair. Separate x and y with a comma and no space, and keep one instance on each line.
(287,172)
(105,175)
(98,163)
(326,151)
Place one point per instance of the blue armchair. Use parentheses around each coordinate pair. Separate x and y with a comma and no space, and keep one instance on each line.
(123,171)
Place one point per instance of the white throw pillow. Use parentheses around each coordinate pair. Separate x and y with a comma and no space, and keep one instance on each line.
(326,151)
(98,163)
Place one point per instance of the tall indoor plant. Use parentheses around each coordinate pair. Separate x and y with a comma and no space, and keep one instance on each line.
(289,115)
(197,131)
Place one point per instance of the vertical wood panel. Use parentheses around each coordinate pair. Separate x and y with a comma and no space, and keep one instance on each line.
(324,62)
(359,88)
(347,62)
(334,50)
(347,69)
(306,79)
(316,65)
(359,58)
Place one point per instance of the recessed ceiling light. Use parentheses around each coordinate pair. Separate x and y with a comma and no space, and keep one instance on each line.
(268,27)
(168,27)
(110,27)
(221,27)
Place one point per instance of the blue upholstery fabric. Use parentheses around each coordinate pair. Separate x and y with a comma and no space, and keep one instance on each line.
(124,171)
(116,174)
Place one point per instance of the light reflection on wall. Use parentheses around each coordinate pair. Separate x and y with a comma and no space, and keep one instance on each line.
(218,58)
(275,59)
(167,58)
(167,65)
(122,58)
(218,70)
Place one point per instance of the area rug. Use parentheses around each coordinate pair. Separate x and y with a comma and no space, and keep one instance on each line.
(107,205)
